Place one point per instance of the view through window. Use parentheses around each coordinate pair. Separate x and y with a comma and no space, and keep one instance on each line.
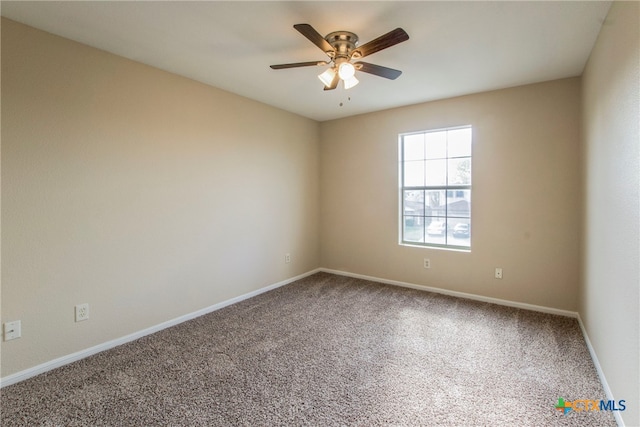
(435,181)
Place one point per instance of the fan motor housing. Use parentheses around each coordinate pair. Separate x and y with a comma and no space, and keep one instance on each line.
(343,42)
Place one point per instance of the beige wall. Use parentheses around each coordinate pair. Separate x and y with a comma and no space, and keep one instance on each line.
(525,205)
(610,297)
(144,194)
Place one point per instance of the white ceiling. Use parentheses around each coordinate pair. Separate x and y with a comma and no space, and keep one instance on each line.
(455,48)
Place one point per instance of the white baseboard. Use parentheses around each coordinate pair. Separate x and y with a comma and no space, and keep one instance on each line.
(474,297)
(64,360)
(599,370)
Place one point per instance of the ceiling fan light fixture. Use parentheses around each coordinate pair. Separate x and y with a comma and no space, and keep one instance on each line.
(327,76)
(346,70)
(341,47)
(350,82)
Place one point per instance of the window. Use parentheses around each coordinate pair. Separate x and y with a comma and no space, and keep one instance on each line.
(435,183)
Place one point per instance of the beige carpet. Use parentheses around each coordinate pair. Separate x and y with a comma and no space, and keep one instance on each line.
(326,351)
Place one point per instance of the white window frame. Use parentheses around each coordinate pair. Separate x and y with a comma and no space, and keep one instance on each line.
(446,188)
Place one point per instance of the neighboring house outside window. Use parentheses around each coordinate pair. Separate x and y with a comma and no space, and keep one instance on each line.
(435,182)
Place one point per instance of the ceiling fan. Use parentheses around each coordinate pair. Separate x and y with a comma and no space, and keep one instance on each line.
(342,47)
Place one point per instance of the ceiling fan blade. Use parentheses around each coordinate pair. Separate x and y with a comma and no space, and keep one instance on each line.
(298,64)
(314,37)
(390,39)
(378,70)
(334,83)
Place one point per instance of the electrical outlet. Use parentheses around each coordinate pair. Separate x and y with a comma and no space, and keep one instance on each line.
(82,312)
(427,263)
(12,330)
(498,273)
(287,258)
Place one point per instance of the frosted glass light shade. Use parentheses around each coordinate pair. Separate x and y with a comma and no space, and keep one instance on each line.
(327,77)
(346,70)
(350,82)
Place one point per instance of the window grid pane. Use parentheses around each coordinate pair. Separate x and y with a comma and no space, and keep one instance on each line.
(414,173)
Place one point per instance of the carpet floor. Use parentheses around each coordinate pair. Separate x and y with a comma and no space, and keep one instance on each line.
(328,350)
